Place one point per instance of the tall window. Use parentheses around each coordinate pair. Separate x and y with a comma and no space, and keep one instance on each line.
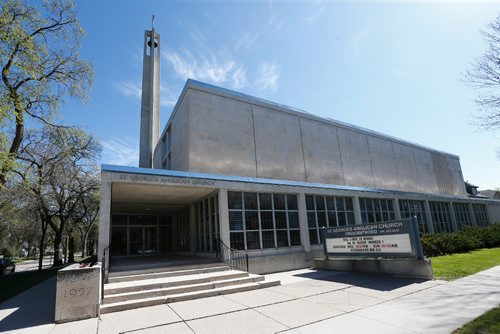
(375,210)
(327,211)
(480,214)
(409,208)
(263,220)
(462,215)
(441,217)
(207,224)
(167,145)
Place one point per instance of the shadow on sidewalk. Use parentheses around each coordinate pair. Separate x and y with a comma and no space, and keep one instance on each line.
(33,307)
(369,281)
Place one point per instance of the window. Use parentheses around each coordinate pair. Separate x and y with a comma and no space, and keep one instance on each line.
(375,210)
(441,217)
(409,208)
(263,220)
(327,211)
(462,215)
(167,151)
(480,214)
(207,224)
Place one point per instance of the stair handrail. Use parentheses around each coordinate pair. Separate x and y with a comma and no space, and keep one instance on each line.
(104,278)
(234,258)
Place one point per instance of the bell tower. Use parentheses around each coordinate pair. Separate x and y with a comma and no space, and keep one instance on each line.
(150,103)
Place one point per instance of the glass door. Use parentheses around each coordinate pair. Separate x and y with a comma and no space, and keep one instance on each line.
(135,240)
(150,240)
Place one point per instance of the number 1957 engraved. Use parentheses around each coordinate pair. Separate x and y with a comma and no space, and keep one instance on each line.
(77,292)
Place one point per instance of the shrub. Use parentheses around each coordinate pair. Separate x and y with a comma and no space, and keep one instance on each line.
(6,253)
(468,239)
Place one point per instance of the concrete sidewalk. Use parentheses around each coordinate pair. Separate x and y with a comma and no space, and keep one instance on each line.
(308,301)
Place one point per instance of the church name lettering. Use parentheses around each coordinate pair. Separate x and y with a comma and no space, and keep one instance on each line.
(166,180)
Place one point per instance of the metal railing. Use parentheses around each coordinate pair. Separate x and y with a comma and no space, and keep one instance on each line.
(235,259)
(103,270)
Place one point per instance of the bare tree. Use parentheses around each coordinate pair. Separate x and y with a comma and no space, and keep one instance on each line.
(484,75)
(40,66)
(58,167)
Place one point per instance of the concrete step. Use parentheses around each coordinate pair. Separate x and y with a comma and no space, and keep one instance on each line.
(168,282)
(162,272)
(137,303)
(158,268)
(129,296)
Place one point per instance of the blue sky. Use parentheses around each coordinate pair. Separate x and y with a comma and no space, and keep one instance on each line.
(392,67)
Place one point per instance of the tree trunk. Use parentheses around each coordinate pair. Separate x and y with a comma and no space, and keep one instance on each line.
(84,245)
(42,245)
(57,248)
(71,249)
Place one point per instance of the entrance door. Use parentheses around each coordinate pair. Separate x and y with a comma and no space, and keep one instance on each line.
(135,240)
(150,240)
(143,240)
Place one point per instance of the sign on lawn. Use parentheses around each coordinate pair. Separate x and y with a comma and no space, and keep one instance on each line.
(389,239)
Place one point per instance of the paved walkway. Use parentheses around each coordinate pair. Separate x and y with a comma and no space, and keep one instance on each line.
(33,264)
(308,301)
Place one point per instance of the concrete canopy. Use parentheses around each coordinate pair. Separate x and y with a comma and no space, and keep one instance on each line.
(146,198)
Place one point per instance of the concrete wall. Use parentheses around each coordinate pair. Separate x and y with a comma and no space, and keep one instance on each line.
(231,135)
(279,262)
(494,213)
(180,128)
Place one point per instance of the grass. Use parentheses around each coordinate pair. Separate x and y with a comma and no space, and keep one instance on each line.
(12,284)
(488,323)
(450,267)
(23,259)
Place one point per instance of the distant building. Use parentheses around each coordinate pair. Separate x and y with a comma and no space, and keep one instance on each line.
(265,178)
(471,189)
(493,194)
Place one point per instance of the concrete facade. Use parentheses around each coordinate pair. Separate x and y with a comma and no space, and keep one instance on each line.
(123,186)
(150,105)
(265,178)
(229,133)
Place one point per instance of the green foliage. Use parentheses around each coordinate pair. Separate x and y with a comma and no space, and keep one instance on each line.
(488,323)
(455,266)
(6,253)
(468,239)
(40,67)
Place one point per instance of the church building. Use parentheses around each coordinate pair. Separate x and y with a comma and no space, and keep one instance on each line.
(264,179)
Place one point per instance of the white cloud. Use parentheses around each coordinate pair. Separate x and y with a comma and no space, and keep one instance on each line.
(205,66)
(129,88)
(134,89)
(317,10)
(357,40)
(246,41)
(121,151)
(268,75)
(167,97)
(275,22)
(239,78)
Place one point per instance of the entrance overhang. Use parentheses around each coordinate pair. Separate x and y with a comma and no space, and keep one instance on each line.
(157,199)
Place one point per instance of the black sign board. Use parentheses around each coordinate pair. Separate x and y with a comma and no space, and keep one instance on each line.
(387,239)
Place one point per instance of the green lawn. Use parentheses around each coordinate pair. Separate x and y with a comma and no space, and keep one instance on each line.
(450,267)
(12,284)
(488,323)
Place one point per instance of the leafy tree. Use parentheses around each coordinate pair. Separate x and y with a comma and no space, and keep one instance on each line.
(57,165)
(40,66)
(85,219)
(484,74)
